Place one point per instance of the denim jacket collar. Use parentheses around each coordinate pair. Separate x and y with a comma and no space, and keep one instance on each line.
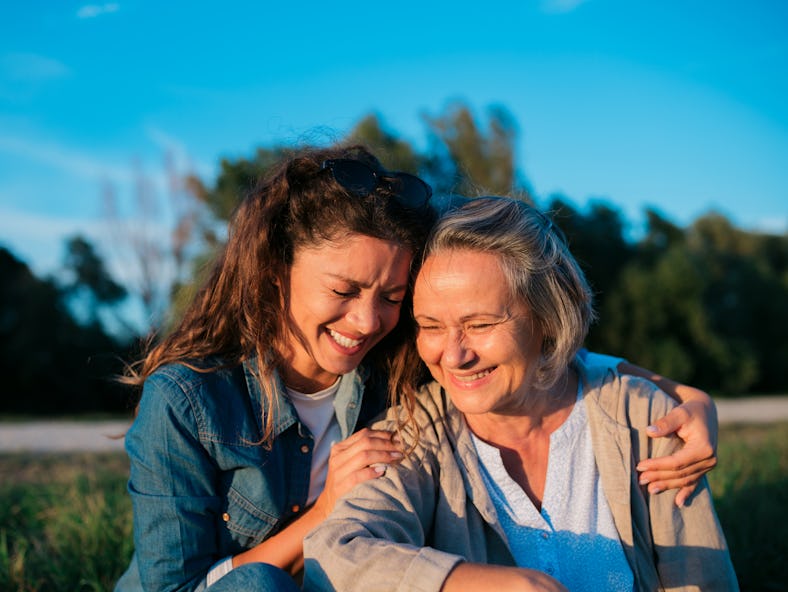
(347,402)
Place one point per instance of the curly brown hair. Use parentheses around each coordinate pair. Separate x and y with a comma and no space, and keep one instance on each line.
(240,311)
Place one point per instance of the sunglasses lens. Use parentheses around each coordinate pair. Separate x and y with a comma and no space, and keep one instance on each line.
(354,176)
(357,178)
(411,190)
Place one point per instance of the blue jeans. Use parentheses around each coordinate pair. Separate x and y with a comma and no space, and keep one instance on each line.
(251,577)
(255,577)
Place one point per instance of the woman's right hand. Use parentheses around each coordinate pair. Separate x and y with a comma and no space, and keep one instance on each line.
(362,456)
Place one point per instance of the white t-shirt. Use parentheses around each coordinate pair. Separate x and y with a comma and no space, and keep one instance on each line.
(316,411)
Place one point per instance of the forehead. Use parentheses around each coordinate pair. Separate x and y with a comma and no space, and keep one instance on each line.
(461,277)
(355,256)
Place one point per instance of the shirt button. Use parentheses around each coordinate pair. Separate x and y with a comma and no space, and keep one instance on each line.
(295,508)
(226,517)
(550,570)
(304,448)
(545,536)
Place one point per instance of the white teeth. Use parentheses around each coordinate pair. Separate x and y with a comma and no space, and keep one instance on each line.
(344,341)
(473,377)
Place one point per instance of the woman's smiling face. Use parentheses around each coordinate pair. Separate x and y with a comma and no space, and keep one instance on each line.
(344,297)
(478,342)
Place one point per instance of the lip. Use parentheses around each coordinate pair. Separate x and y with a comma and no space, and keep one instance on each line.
(472,380)
(345,349)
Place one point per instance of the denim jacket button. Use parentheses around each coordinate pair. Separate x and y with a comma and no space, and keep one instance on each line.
(304,448)
(226,517)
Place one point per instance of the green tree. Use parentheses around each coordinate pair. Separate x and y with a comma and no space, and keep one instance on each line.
(707,306)
(597,241)
(466,159)
(50,363)
(86,280)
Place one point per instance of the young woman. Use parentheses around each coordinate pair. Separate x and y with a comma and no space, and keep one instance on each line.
(282,353)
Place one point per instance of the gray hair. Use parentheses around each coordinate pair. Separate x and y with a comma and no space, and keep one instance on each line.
(538,266)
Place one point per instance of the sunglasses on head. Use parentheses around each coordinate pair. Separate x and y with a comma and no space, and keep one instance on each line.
(361,180)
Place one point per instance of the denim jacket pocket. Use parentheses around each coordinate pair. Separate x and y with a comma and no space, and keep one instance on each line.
(245,523)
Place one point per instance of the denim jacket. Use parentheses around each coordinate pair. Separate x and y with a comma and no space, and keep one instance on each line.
(202,485)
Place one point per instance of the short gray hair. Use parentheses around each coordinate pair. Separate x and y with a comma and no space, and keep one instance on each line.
(539,268)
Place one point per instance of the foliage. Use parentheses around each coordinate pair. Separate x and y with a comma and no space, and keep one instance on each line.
(65,520)
(50,363)
(466,160)
(87,279)
(707,304)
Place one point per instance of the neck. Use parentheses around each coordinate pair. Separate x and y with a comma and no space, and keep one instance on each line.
(540,413)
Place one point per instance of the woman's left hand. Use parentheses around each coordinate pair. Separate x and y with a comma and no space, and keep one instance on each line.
(695,422)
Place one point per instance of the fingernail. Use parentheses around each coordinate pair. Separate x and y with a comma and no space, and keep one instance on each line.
(652,429)
(655,490)
(644,480)
(680,502)
(396,454)
(640,467)
(380,468)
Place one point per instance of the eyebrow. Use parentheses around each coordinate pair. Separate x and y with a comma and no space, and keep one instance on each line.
(469,317)
(366,286)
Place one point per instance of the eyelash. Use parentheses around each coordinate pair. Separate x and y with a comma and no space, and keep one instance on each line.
(351,294)
(466,329)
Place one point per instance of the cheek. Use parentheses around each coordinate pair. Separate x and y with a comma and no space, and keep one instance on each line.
(428,350)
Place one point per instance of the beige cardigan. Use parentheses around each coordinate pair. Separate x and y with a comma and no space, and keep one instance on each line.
(407,530)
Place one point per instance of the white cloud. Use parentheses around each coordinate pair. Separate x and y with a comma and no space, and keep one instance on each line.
(65,159)
(94,10)
(31,67)
(561,6)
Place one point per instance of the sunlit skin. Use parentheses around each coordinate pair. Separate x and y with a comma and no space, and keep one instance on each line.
(344,297)
(483,347)
(478,342)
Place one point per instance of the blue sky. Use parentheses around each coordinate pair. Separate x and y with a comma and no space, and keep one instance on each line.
(679,105)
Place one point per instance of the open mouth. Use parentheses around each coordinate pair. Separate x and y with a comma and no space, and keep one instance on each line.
(345,342)
(472,377)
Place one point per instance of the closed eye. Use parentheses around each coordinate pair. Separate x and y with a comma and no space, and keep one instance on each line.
(395,300)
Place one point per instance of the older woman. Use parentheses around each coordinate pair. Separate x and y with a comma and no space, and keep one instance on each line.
(520,473)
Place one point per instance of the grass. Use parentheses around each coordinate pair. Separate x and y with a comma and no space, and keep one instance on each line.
(65,519)
(750,488)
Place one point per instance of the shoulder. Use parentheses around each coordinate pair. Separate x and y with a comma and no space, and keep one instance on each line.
(626,399)
(223,406)
(192,380)
(194,394)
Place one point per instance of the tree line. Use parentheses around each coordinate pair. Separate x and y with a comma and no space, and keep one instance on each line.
(705,304)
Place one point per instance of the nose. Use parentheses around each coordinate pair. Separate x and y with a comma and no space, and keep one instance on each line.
(365,316)
(456,351)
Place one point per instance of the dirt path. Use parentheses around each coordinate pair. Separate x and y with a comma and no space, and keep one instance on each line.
(104,436)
